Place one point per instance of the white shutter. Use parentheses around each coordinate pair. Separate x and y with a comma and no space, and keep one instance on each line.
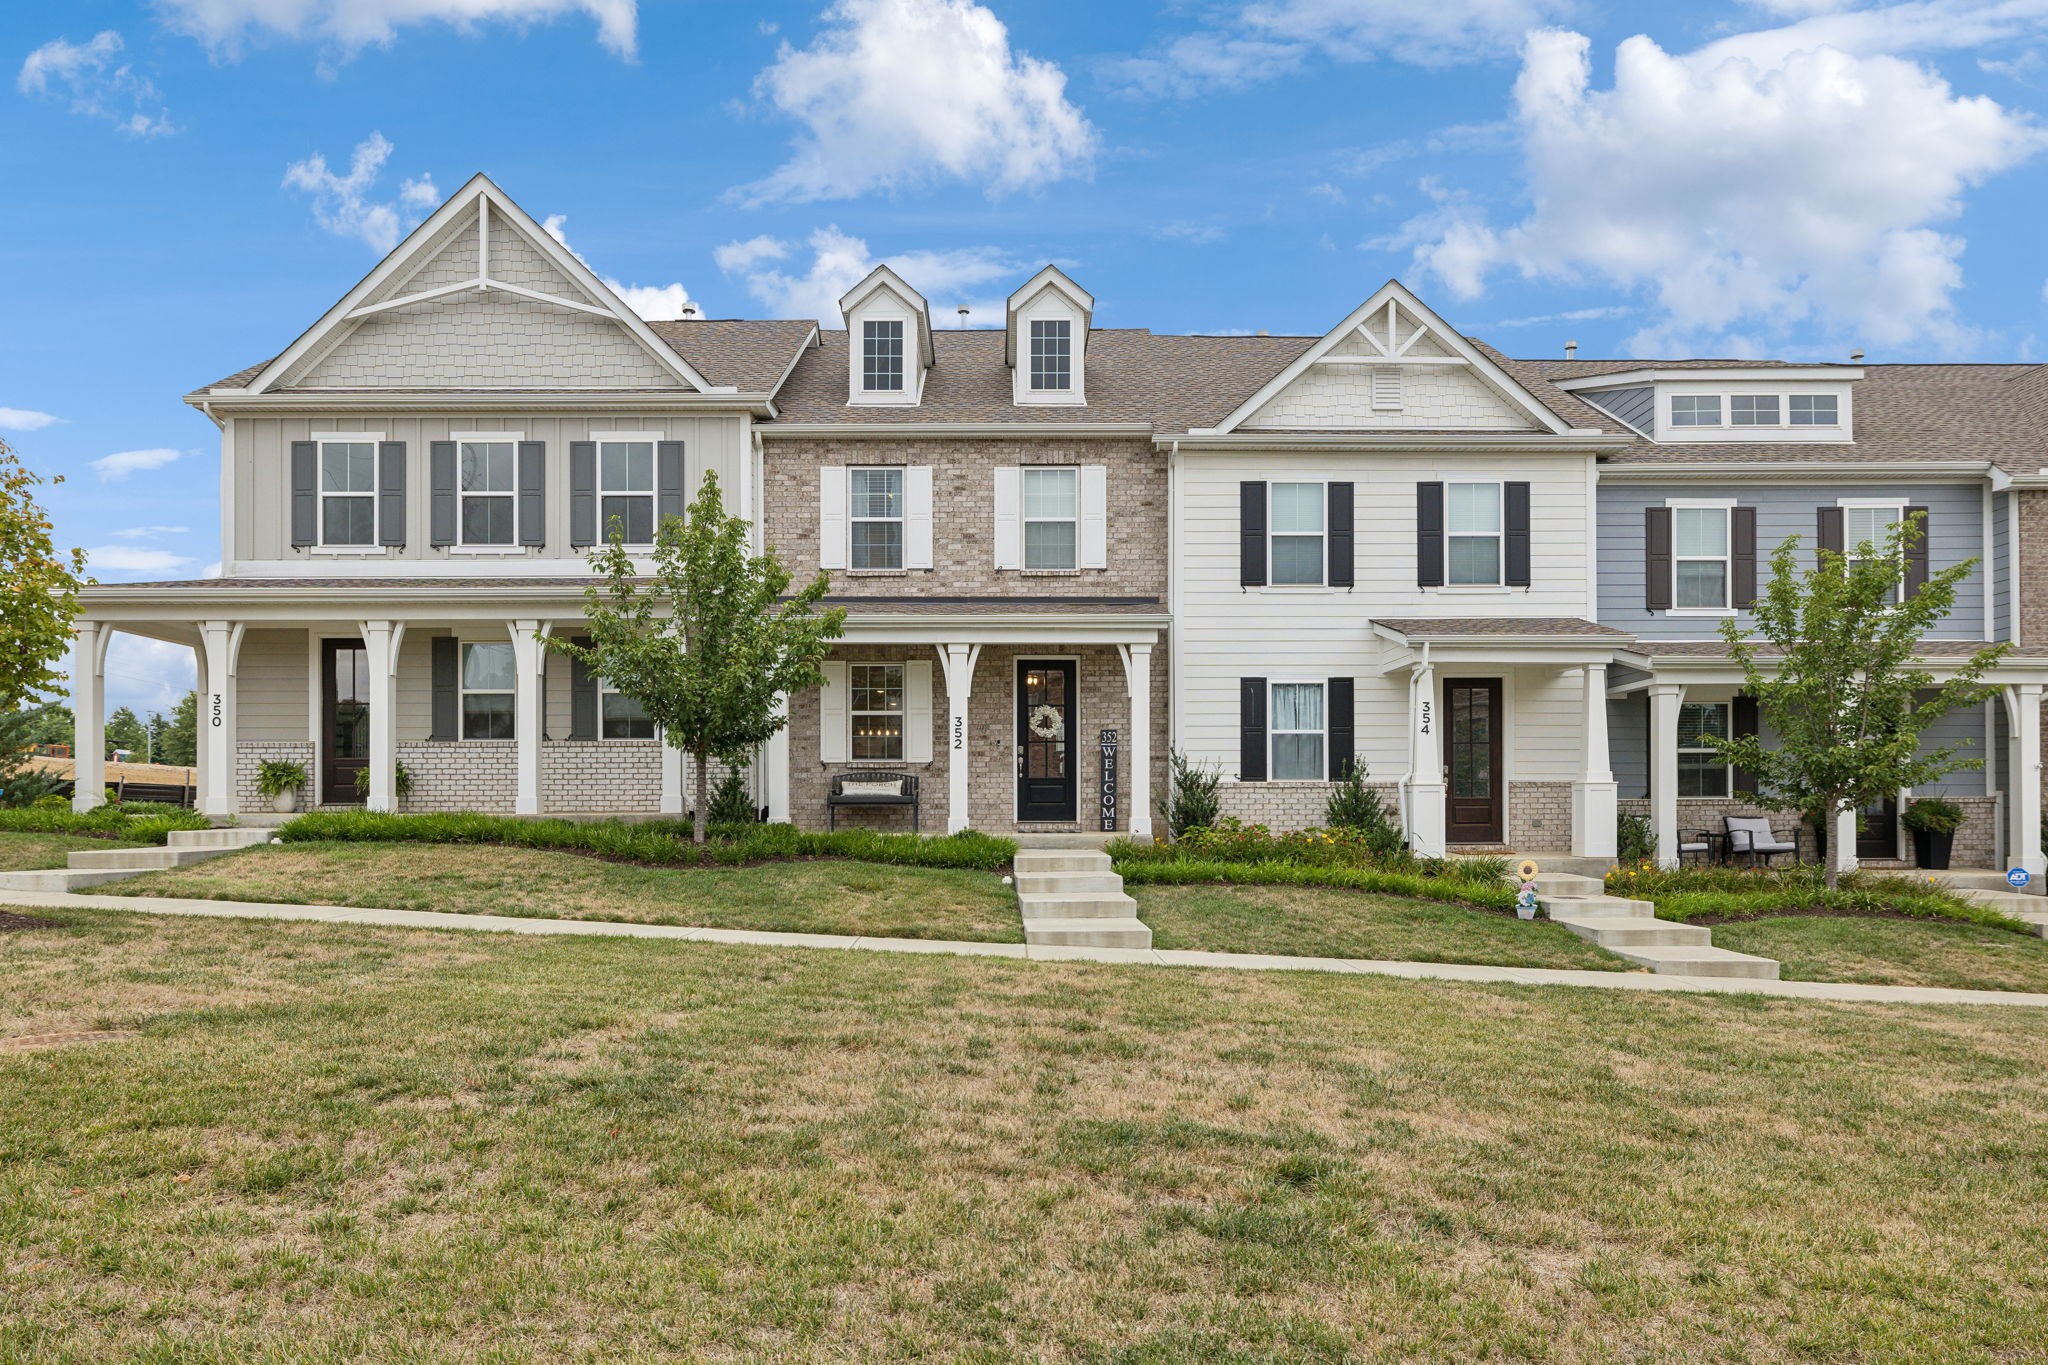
(1009,518)
(917,711)
(917,516)
(832,713)
(1094,516)
(832,522)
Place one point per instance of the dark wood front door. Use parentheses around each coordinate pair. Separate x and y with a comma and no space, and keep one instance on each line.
(1472,772)
(1878,836)
(344,719)
(1048,776)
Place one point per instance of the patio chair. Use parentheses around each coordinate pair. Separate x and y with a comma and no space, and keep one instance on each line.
(1752,835)
(1698,844)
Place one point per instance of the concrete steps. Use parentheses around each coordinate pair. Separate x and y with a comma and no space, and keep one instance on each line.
(1070,896)
(98,866)
(1630,930)
(2018,904)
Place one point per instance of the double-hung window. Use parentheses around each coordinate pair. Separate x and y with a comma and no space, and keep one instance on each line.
(621,717)
(875,712)
(1052,517)
(486,485)
(1696,410)
(1870,527)
(348,492)
(875,518)
(1700,770)
(1297,728)
(1472,533)
(881,356)
(625,490)
(488,673)
(1753,409)
(1814,410)
(1297,511)
(1052,344)
(1699,558)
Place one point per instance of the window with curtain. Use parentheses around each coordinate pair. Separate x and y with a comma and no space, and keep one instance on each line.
(1872,527)
(1297,729)
(488,674)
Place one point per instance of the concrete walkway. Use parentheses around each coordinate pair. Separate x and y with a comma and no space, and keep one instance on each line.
(1414,971)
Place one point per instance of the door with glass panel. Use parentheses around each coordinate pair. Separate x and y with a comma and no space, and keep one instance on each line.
(344,719)
(1048,761)
(1473,786)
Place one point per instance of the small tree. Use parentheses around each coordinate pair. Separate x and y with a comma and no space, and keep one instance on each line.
(1846,699)
(177,736)
(38,590)
(707,645)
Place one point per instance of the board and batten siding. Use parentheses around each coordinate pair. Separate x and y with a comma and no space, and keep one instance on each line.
(272,674)
(262,476)
(1955,513)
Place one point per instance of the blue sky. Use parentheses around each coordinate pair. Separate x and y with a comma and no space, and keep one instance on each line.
(192,182)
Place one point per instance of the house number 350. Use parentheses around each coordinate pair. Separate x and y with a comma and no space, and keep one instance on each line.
(216,721)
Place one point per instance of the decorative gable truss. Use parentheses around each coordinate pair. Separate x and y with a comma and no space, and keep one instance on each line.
(480,297)
(1394,365)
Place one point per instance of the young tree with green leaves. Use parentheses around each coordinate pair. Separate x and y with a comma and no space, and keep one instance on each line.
(38,590)
(706,645)
(177,735)
(1837,682)
(124,731)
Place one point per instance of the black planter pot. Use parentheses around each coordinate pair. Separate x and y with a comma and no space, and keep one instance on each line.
(1932,850)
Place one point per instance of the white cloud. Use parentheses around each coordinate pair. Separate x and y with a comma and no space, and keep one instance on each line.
(1598,314)
(113,468)
(132,559)
(342,203)
(97,83)
(1893,30)
(1195,234)
(654,302)
(150,532)
(147,675)
(838,262)
(1745,198)
(25,419)
(899,93)
(223,25)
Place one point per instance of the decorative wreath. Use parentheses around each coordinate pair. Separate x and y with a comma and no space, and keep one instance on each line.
(1048,723)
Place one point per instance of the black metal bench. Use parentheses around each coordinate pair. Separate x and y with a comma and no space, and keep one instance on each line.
(904,795)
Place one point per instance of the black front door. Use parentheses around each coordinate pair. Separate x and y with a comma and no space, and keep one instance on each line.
(345,719)
(1048,780)
(1472,745)
(1878,836)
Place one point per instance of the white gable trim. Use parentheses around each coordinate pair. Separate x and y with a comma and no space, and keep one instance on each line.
(1059,282)
(340,319)
(1394,296)
(883,278)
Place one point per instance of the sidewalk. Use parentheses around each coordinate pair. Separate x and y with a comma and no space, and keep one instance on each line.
(1415,971)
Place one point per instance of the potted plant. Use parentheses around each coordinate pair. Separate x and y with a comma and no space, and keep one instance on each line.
(402,781)
(1934,821)
(281,780)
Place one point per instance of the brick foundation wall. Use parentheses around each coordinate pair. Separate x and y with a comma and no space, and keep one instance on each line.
(1976,842)
(1540,817)
(602,776)
(475,774)
(251,752)
(1284,806)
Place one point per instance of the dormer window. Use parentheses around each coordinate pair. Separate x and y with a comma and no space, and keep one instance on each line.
(888,341)
(1046,340)
(1052,349)
(1753,409)
(1696,410)
(1814,410)
(1726,405)
(881,357)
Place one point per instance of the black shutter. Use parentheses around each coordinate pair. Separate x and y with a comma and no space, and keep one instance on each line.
(533,501)
(1657,558)
(1916,552)
(1743,718)
(1343,550)
(668,482)
(305,494)
(1515,496)
(1832,532)
(1742,545)
(582,493)
(1251,729)
(391,493)
(1251,534)
(1429,535)
(1343,747)
(447,690)
(582,699)
(441,496)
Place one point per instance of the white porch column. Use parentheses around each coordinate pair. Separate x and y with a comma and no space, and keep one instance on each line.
(89,708)
(221,641)
(381,640)
(2023,709)
(775,767)
(1594,795)
(1665,699)
(957,662)
(1844,838)
(1138,748)
(529,717)
(1426,781)
(671,779)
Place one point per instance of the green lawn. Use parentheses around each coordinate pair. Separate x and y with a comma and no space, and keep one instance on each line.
(34,852)
(1318,922)
(1895,952)
(332,1142)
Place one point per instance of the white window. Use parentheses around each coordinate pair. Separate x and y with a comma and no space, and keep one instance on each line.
(1696,410)
(486,484)
(1700,770)
(621,717)
(1297,729)
(1052,517)
(1699,558)
(1472,531)
(488,672)
(1870,527)
(625,489)
(875,712)
(881,356)
(348,492)
(1296,515)
(1052,347)
(874,499)
(1753,409)
(1814,410)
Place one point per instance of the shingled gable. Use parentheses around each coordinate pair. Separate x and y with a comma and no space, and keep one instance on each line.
(1391,332)
(475,249)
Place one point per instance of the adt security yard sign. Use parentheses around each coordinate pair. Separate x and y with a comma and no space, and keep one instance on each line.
(2018,878)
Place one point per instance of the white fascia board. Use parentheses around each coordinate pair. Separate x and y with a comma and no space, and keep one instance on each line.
(1804,471)
(880,278)
(1037,629)
(1798,374)
(899,431)
(409,401)
(1576,443)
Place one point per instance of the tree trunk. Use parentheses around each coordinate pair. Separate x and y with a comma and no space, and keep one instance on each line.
(702,816)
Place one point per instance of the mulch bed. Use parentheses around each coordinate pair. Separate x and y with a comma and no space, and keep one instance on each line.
(9,922)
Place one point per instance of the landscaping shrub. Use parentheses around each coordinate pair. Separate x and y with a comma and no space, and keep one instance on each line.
(732,803)
(1191,800)
(1752,893)
(1634,841)
(1357,807)
(1456,890)
(1253,855)
(142,822)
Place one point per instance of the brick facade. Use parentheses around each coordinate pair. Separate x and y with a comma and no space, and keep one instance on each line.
(1283,806)
(613,776)
(249,753)
(476,774)
(1540,817)
(1976,843)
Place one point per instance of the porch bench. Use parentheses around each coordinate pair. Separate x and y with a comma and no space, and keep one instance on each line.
(868,789)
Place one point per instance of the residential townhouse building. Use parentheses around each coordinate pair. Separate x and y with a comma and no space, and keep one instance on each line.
(1496,585)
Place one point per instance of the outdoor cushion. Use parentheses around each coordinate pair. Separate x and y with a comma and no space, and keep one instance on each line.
(1752,834)
(893,787)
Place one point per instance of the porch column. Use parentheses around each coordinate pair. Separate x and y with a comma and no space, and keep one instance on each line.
(1845,839)
(89,709)
(1665,699)
(672,800)
(1594,795)
(2023,708)
(1426,781)
(381,641)
(957,663)
(529,717)
(221,641)
(775,767)
(1138,748)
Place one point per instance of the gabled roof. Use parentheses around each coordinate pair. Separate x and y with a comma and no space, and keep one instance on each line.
(1061,283)
(883,278)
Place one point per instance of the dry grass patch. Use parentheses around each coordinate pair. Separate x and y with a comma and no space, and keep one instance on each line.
(36,852)
(1894,952)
